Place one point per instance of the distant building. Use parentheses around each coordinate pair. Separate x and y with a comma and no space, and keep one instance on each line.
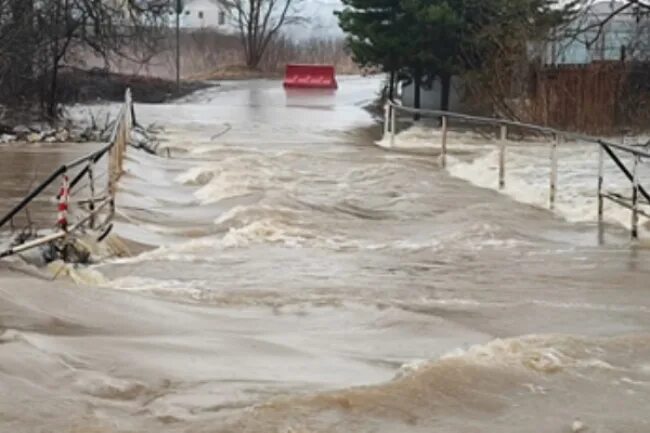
(201,14)
(430,96)
(622,37)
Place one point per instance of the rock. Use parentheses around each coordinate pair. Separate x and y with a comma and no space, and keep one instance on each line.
(7,138)
(35,137)
(21,130)
(46,132)
(62,135)
(50,139)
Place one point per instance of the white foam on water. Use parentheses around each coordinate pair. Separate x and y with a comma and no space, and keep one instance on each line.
(199,175)
(227,178)
(528,172)
(538,353)
(191,289)
(267,230)
(81,275)
(428,136)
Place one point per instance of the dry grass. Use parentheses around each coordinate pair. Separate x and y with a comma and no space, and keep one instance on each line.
(207,54)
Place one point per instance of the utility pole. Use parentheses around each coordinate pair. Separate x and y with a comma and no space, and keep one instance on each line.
(179,11)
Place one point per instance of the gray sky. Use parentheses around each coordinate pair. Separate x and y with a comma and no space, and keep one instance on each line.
(322,22)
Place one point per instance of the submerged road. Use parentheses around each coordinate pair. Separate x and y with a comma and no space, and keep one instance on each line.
(290,276)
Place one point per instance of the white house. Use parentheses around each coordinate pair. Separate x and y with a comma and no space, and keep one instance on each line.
(199,14)
(626,32)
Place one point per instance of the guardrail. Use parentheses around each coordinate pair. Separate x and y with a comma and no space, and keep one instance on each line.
(97,200)
(639,196)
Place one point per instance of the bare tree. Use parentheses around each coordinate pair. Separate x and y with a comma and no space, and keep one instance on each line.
(259,22)
(41,36)
(594,18)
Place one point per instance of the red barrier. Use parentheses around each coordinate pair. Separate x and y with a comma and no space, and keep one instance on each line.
(310,77)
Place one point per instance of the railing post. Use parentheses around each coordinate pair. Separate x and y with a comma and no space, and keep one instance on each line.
(64,202)
(111,169)
(392,125)
(120,149)
(601,180)
(443,155)
(125,138)
(91,203)
(386,119)
(635,198)
(502,156)
(553,181)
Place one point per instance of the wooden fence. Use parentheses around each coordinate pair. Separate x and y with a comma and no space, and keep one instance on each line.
(602,97)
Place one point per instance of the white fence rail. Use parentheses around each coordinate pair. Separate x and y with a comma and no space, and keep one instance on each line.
(639,195)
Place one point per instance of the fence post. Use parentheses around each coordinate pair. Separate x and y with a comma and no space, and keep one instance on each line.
(386,119)
(392,125)
(120,147)
(553,182)
(502,156)
(443,156)
(64,202)
(601,179)
(125,137)
(129,113)
(111,169)
(635,198)
(91,203)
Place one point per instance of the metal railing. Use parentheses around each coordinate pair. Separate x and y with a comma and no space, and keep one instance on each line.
(639,196)
(114,150)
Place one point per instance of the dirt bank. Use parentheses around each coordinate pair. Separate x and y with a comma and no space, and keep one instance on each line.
(79,85)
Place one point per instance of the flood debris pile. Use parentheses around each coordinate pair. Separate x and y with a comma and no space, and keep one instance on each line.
(147,139)
(84,192)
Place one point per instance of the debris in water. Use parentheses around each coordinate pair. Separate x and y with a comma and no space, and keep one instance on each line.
(578,426)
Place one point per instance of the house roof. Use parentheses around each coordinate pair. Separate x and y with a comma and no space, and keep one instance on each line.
(202,3)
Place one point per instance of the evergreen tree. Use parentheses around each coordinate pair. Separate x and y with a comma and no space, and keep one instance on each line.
(375,35)
(437,39)
(435,34)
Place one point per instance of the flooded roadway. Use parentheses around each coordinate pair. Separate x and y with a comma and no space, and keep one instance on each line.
(294,277)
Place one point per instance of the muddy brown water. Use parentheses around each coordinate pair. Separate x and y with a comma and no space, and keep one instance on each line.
(298,278)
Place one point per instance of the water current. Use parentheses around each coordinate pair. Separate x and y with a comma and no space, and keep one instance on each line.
(286,274)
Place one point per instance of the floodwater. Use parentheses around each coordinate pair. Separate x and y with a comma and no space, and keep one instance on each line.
(288,275)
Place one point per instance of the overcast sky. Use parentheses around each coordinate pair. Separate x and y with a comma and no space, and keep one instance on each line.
(322,22)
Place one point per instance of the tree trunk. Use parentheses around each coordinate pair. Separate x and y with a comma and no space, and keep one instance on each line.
(445,84)
(22,53)
(54,53)
(391,86)
(417,85)
(52,97)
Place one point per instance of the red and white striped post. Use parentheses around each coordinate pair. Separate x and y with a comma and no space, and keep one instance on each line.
(64,199)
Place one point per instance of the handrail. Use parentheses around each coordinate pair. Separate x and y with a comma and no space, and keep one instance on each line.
(25,201)
(498,122)
(604,147)
(624,169)
(93,156)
